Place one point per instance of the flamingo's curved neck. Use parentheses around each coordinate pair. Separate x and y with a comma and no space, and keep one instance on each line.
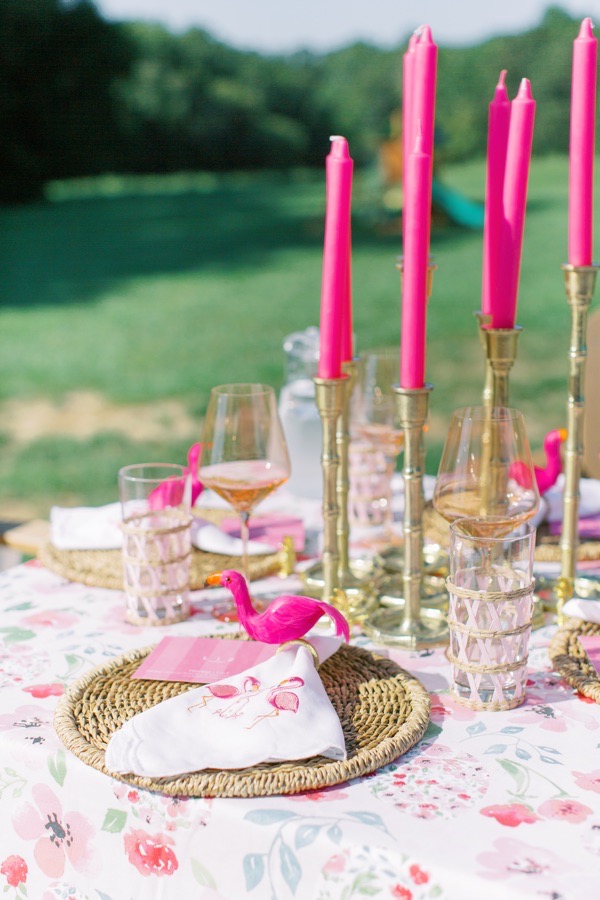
(244,604)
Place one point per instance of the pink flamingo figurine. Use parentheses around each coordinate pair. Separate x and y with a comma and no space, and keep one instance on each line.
(286,618)
(170,493)
(547,476)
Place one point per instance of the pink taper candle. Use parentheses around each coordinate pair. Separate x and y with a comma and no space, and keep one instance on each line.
(581,154)
(516,177)
(408,94)
(334,293)
(425,72)
(498,124)
(414,278)
(347,345)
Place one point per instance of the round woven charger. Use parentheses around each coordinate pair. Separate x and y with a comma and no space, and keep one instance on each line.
(571,661)
(104,568)
(384,711)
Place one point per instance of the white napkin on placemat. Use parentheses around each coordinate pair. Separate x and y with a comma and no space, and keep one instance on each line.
(588,610)
(275,711)
(86,527)
(99,528)
(589,499)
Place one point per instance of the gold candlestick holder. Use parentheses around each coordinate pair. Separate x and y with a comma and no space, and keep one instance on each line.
(580,282)
(330,398)
(389,586)
(358,591)
(411,625)
(500,349)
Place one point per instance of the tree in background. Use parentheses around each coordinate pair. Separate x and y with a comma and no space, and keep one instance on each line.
(79,96)
(58,64)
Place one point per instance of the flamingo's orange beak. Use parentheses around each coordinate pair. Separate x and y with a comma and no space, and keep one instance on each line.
(563,434)
(214,579)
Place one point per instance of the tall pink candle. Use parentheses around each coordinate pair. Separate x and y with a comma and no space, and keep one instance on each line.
(334,293)
(347,345)
(498,125)
(425,73)
(516,177)
(408,90)
(414,278)
(581,153)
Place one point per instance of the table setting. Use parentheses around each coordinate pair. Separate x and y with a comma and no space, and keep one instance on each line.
(299,665)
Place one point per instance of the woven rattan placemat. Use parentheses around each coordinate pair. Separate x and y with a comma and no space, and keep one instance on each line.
(571,661)
(384,711)
(104,568)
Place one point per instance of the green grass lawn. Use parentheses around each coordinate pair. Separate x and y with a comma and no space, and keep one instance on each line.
(150,289)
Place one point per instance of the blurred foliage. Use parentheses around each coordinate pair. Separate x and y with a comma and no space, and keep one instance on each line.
(80,96)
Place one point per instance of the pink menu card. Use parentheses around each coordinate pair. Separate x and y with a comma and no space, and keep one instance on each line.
(200,660)
(591,645)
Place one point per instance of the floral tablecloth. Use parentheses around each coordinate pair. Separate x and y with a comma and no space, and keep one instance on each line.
(486,805)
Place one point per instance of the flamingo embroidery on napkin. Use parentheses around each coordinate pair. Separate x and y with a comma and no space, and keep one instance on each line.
(279,697)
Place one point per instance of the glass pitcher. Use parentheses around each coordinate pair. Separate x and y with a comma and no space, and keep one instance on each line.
(298,413)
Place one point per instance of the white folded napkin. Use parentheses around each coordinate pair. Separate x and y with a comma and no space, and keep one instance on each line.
(275,711)
(99,528)
(208,537)
(588,610)
(589,499)
(86,527)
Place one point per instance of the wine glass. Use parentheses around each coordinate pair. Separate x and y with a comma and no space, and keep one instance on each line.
(375,426)
(244,453)
(486,471)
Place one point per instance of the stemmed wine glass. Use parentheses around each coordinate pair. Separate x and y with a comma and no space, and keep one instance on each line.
(486,471)
(244,453)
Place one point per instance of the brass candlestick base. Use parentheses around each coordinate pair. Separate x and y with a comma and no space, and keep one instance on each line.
(580,282)
(500,348)
(411,625)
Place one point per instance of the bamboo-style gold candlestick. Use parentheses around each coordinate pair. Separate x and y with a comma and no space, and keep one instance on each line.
(580,282)
(390,592)
(359,596)
(411,625)
(330,397)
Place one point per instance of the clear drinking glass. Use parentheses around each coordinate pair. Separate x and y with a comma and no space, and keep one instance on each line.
(244,453)
(377,439)
(490,610)
(486,470)
(156,519)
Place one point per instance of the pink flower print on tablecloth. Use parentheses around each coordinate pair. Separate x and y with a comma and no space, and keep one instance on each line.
(14,869)
(42,691)
(51,618)
(58,837)
(510,814)
(151,854)
(566,810)
(433,782)
(589,781)
(511,857)
(327,793)
(444,707)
